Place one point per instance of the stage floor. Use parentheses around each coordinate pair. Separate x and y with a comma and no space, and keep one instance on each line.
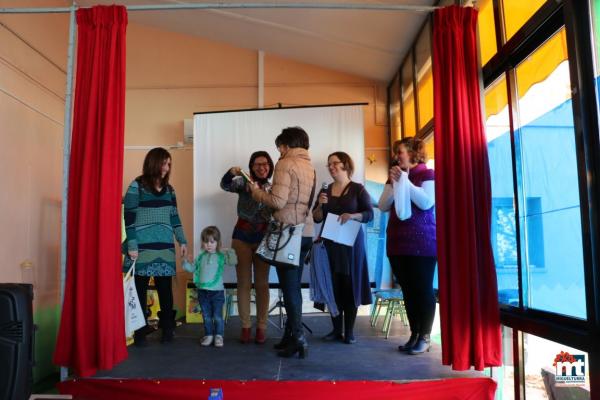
(371,358)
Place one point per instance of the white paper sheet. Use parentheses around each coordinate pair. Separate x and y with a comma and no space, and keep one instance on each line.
(344,234)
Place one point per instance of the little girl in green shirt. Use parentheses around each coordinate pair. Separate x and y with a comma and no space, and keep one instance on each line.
(208,278)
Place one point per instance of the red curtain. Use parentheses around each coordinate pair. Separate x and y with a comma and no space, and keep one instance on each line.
(92,332)
(134,389)
(467,278)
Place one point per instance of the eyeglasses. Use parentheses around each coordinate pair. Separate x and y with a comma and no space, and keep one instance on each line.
(334,163)
(260,164)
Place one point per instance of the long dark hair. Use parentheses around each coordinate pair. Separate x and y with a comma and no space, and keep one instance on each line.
(253,158)
(152,170)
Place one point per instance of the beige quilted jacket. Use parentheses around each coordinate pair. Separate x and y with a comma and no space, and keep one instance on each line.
(293,179)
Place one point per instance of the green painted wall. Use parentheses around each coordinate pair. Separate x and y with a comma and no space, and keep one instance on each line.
(46,319)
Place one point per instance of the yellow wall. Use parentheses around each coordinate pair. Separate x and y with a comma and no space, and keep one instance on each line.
(32,90)
(169,77)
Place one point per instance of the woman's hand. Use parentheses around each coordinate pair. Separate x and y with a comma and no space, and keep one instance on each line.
(253,187)
(183,250)
(395,173)
(237,171)
(345,217)
(133,254)
(323,198)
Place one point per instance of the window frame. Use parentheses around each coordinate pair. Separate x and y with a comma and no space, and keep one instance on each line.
(575,17)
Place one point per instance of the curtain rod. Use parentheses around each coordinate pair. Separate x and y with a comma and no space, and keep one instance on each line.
(209,6)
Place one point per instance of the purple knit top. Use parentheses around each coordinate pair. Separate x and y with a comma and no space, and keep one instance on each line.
(416,235)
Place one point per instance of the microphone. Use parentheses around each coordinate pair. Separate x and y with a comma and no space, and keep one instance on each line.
(324,186)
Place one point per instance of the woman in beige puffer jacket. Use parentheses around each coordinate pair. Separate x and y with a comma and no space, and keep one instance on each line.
(293,181)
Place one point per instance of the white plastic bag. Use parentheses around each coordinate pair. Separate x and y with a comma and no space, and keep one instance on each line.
(188,266)
(402,202)
(134,314)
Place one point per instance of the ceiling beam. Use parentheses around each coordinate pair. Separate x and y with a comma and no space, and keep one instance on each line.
(214,6)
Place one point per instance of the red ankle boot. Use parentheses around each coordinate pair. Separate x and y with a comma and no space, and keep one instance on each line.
(260,337)
(245,336)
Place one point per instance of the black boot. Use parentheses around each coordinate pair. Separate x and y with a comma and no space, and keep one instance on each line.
(139,337)
(349,319)
(410,344)
(287,337)
(296,345)
(166,321)
(336,333)
(422,345)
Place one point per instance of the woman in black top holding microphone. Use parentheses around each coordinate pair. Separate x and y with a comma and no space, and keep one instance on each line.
(349,269)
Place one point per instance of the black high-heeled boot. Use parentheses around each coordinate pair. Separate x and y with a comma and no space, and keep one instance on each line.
(139,337)
(285,339)
(410,344)
(166,322)
(296,345)
(422,345)
(336,333)
(349,319)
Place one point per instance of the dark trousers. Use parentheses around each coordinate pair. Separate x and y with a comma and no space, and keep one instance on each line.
(163,287)
(415,276)
(344,299)
(211,302)
(290,280)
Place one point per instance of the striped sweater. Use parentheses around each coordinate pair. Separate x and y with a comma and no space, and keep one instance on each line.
(151,220)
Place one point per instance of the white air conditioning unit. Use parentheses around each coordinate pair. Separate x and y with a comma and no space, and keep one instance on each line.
(188,131)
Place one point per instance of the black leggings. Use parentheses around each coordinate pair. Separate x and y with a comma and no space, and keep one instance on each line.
(415,276)
(344,299)
(163,287)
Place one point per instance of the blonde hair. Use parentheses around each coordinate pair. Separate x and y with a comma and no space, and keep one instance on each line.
(416,149)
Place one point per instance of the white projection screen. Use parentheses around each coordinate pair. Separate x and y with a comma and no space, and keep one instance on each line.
(226,139)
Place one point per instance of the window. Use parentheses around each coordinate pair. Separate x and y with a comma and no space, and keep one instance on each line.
(424,76)
(547,193)
(595,7)
(487,31)
(546,161)
(408,99)
(394,104)
(429,150)
(536,143)
(517,12)
(503,232)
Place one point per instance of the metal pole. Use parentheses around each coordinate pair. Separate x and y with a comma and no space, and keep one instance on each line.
(261,79)
(66,156)
(212,6)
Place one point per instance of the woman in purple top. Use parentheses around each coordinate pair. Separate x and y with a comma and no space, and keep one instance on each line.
(411,242)
(349,269)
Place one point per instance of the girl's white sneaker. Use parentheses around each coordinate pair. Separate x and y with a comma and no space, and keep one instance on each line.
(207,340)
(218,341)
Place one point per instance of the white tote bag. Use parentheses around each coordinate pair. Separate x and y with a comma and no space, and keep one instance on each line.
(134,314)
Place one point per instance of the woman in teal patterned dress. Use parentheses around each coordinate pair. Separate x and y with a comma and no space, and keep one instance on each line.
(151,221)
